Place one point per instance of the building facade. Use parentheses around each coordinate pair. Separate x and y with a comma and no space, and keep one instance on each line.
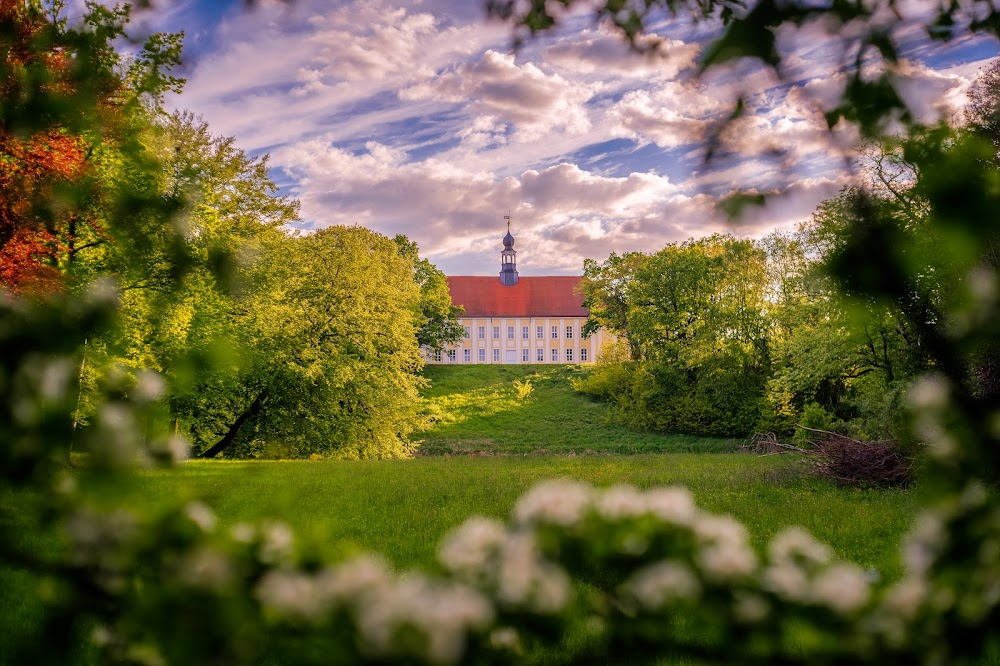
(520,320)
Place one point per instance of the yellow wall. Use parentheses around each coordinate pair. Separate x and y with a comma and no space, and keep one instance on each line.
(509,350)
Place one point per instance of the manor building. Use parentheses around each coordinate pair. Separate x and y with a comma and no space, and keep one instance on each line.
(520,320)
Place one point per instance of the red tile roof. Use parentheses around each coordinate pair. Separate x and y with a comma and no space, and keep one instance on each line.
(552,296)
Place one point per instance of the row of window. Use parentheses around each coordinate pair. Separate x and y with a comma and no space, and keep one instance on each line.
(539,332)
(540,355)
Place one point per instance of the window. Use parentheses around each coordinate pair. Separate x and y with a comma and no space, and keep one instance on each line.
(496,355)
(451,355)
(482,356)
(555,355)
(510,332)
(496,332)
(482,332)
(524,356)
(524,332)
(437,354)
(569,355)
(468,332)
(467,355)
(539,332)
(555,332)
(583,355)
(569,332)
(541,355)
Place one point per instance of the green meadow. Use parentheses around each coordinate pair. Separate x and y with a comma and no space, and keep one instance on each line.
(475,409)
(402,508)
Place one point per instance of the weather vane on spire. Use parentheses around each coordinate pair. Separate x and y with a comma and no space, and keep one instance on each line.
(508,265)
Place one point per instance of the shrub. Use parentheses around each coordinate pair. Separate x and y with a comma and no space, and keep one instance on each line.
(523,389)
(813,418)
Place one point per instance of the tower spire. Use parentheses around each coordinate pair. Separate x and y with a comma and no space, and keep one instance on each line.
(508,258)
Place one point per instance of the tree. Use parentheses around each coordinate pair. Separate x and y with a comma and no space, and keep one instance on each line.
(329,330)
(50,193)
(439,318)
(605,289)
(693,316)
(982,113)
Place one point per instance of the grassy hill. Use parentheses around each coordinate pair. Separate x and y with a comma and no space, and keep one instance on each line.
(476,410)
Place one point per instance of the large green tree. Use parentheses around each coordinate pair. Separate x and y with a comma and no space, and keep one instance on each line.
(693,316)
(331,355)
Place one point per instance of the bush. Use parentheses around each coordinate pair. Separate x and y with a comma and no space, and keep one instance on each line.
(814,417)
(523,389)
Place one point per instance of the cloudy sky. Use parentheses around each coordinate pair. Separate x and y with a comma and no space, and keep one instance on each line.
(416,117)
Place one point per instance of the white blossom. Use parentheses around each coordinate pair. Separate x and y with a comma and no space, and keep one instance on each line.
(468,549)
(662,583)
(929,428)
(243,532)
(117,433)
(276,545)
(725,561)
(931,391)
(795,543)
(505,638)
(524,579)
(97,538)
(905,597)
(441,614)
(842,587)
(787,580)
(174,448)
(206,568)
(349,580)
(54,379)
(291,594)
(201,515)
(620,502)
(924,542)
(974,495)
(720,530)
(149,386)
(672,505)
(560,502)
(724,552)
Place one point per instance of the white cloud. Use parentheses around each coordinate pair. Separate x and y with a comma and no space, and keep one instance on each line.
(406,118)
(602,53)
(534,102)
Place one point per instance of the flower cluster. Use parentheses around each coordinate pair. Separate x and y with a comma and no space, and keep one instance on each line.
(393,616)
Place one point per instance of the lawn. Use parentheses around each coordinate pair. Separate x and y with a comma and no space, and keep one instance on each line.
(403,508)
(475,409)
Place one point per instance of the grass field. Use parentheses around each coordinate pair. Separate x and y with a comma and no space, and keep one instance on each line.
(475,410)
(402,508)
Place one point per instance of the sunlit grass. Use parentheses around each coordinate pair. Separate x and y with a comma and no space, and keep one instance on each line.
(475,410)
(403,508)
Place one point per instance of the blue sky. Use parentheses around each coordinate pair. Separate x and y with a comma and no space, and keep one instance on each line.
(417,118)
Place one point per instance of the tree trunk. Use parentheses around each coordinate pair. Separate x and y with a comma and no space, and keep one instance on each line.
(234,429)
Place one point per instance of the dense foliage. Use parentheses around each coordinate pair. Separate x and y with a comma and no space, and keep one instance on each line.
(726,336)
(269,343)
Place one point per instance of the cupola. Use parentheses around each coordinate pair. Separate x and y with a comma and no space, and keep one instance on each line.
(508,259)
